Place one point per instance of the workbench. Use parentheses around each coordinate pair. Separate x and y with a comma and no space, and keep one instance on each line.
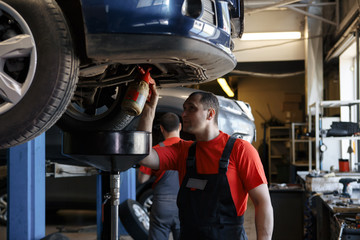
(336,217)
(328,214)
(288,204)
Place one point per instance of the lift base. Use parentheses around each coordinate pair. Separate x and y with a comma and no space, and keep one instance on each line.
(112,151)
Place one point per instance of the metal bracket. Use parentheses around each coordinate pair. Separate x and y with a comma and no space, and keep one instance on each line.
(58,170)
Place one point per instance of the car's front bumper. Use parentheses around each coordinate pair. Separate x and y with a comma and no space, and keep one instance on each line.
(139,32)
(208,61)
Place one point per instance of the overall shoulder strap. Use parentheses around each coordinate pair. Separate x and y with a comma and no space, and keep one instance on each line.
(190,161)
(161,144)
(224,160)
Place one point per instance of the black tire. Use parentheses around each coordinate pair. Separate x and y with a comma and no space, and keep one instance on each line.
(135,219)
(103,114)
(146,199)
(46,70)
(3,202)
(111,122)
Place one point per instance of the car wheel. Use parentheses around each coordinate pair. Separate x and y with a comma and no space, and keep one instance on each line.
(135,219)
(38,68)
(3,203)
(102,113)
(146,200)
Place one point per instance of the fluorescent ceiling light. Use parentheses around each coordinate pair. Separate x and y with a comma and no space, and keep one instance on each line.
(225,87)
(271,36)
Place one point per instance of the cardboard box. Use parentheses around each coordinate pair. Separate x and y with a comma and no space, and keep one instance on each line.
(329,184)
(297,116)
(293,97)
(291,106)
(294,116)
(321,184)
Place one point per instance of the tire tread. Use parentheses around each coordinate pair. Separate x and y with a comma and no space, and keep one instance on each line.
(65,87)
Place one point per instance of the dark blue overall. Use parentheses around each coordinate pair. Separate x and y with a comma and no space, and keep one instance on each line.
(206,207)
(164,217)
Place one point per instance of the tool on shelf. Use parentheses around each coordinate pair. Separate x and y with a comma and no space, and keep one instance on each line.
(346,182)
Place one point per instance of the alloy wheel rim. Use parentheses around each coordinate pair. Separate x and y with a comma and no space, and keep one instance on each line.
(142,216)
(18,58)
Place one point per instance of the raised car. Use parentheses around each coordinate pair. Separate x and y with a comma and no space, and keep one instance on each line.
(73,59)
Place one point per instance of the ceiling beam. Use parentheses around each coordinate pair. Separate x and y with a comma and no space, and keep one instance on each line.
(311,15)
(313,4)
(275,5)
(267,75)
(295,8)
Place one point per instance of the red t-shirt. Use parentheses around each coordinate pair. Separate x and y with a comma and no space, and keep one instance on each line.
(245,170)
(159,174)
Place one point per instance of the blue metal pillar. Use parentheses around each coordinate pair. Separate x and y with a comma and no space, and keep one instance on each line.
(127,185)
(99,209)
(127,190)
(26,190)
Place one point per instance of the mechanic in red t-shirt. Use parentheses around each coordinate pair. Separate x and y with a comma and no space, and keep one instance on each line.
(164,215)
(217,173)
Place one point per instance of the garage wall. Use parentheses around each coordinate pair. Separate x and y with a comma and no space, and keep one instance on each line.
(331,86)
(271,50)
(263,92)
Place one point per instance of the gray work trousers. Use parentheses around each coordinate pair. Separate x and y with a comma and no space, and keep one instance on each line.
(164,218)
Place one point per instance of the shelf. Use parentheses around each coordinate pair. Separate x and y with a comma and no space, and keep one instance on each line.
(343,138)
(302,140)
(335,138)
(301,163)
(316,111)
(300,144)
(279,139)
(337,103)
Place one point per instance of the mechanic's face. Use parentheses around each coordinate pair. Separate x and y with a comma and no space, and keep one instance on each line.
(194,115)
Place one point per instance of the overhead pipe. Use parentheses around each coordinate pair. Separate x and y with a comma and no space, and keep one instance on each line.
(314,4)
(311,15)
(268,75)
(279,4)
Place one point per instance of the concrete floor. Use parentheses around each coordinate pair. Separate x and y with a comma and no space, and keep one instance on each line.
(74,224)
(81,224)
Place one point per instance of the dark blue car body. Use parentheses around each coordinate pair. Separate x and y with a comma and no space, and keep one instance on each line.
(74,59)
(162,32)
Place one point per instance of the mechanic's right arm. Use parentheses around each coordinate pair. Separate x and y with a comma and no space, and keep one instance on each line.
(143,177)
(145,124)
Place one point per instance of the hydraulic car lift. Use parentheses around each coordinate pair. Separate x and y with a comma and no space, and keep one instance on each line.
(26,190)
(109,151)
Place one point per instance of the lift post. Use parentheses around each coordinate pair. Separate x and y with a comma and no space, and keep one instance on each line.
(115,202)
(26,190)
(27,173)
(112,152)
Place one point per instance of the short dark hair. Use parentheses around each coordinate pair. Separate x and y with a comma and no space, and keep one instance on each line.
(170,121)
(209,100)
